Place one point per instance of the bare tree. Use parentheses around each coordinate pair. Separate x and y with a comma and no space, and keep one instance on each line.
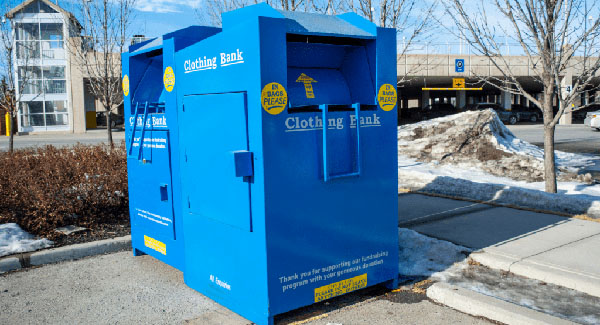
(412,20)
(14,82)
(559,38)
(98,53)
(214,8)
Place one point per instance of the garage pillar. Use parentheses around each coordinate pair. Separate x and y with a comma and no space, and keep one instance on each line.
(404,103)
(505,100)
(425,98)
(566,84)
(461,99)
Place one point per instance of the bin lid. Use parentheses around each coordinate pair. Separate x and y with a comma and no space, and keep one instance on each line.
(345,25)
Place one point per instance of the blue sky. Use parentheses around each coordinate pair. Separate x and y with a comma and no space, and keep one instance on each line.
(157,17)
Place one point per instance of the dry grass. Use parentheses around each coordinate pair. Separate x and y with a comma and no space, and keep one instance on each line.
(45,188)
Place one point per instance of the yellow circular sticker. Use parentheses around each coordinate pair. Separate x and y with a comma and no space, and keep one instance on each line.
(274,98)
(169,79)
(387,97)
(126,85)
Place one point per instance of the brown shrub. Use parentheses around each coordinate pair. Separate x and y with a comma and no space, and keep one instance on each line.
(45,188)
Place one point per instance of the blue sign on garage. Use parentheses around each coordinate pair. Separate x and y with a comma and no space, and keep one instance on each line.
(459,65)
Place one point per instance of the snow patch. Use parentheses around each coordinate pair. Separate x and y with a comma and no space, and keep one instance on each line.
(423,256)
(14,240)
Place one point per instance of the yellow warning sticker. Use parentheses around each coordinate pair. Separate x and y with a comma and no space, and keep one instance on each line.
(126,85)
(155,245)
(341,287)
(274,98)
(307,85)
(387,97)
(169,79)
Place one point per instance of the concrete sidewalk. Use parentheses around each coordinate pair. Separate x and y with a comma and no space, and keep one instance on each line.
(550,248)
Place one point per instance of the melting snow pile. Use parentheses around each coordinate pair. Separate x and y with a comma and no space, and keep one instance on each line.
(423,256)
(479,139)
(473,155)
(14,240)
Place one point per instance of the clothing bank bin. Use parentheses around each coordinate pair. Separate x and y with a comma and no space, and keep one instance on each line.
(262,157)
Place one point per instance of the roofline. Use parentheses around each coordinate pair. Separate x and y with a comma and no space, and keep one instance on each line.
(11,14)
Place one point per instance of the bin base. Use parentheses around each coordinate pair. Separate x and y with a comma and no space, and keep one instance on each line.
(392,284)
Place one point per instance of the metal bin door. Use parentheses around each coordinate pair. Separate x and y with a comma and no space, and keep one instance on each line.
(213,131)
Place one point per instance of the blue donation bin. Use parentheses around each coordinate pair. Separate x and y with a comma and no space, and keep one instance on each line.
(262,157)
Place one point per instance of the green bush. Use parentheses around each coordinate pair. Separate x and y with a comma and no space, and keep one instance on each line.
(42,189)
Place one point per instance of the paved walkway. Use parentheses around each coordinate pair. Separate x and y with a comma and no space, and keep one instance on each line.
(550,248)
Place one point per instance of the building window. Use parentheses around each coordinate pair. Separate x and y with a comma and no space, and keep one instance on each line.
(30,82)
(28,50)
(55,86)
(44,113)
(27,31)
(54,72)
(57,106)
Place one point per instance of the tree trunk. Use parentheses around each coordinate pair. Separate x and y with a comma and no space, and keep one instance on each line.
(549,162)
(549,127)
(109,129)
(11,138)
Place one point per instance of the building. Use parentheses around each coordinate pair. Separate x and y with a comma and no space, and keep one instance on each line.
(55,96)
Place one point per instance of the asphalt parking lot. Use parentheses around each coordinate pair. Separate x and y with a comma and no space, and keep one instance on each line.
(91,137)
(575,138)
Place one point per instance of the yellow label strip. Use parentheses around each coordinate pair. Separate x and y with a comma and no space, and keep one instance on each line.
(341,287)
(155,245)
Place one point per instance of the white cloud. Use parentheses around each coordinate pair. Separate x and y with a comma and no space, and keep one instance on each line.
(166,6)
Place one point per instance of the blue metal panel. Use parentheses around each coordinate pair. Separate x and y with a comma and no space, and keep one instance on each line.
(209,140)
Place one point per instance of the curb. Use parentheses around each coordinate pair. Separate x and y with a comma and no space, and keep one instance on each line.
(66,253)
(586,283)
(477,304)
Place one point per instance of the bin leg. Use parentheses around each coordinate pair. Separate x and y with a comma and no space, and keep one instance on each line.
(392,284)
(137,252)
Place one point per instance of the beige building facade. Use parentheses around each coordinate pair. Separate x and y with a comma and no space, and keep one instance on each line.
(53,93)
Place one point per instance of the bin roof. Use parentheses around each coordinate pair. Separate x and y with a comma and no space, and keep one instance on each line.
(345,25)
